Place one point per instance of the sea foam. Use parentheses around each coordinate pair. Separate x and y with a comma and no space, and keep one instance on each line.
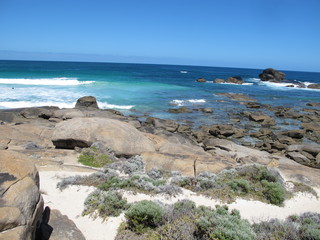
(44,81)
(180,103)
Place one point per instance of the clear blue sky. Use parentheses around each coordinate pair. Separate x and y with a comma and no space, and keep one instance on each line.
(283,34)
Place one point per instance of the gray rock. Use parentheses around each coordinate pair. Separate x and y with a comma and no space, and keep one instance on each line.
(271,74)
(87,102)
(63,227)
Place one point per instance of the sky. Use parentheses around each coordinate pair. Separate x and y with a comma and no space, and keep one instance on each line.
(283,34)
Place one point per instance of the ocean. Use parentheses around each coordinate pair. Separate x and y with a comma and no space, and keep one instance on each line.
(146,89)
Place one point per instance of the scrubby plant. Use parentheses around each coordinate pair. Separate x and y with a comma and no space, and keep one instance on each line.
(240,185)
(93,158)
(94,179)
(104,204)
(155,173)
(220,224)
(133,165)
(144,215)
(274,192)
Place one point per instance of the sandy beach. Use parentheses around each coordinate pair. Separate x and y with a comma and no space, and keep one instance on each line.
(70,202)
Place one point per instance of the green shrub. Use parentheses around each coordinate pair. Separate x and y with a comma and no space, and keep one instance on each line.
(274,192)
(144,215)
(222,225)
(104,204)
(240,185)
(91,157)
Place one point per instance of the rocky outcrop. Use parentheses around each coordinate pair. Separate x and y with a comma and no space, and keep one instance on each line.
(168,125)
(237,97)
(179,110)
(201,80)
(272,75)
(235,80)
(121,137)
(261,118)
(306,154)
(87,102)
(314,86)
(218,80)
(21,204)
(225,130)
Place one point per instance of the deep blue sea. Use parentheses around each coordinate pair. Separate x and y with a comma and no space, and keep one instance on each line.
(144,89)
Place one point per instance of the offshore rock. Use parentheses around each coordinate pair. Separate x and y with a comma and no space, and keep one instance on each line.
(235,80)
(218,80)
(314,86)
(201,80)
(87,102)
(272,75)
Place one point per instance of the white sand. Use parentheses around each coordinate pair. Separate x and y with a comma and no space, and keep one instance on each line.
(70,202)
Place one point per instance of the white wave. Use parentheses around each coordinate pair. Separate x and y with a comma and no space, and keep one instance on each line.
(236,83)
(26,104)
(180,103)
(183,71)
(287,86)
(44,81)
(254,79)
(106,106)
(248,84)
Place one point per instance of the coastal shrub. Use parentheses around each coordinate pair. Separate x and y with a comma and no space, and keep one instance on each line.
(93,158)
(240,185)
(303,227)
(220,224)
(141,183)
(274,192)
(144,215)
(94,179)
(275,229)
(155,173)
(133,165)
(104,204)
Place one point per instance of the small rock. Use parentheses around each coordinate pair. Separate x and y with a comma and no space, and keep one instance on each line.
(179,110)
(87,102)
(201,80)
(218,80)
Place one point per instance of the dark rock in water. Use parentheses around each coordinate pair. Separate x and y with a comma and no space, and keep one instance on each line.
(204,110)
(87,102)
(314,104)
(298,134)
(179,110)
(253,105)
(63,227)
(168,125)
(218,80)
(201,80)
(272,75)
(224,130)
(291,85)
(235,80)
(261,118)
(314,86)
(237,97)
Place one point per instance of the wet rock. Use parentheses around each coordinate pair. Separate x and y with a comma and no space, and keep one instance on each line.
(168,125)
(237,97)
(272,75)
(253,105)
(179,110)
(204,110)
(314,104)
(235,80)
(201,80)
(87,102)
(218,80)
(222,130)
(297,134)
(261,118)
(314,86)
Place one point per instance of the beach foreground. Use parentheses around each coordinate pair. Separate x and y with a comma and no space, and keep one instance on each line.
(53,139)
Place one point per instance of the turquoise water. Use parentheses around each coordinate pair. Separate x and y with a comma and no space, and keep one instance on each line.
(143,89)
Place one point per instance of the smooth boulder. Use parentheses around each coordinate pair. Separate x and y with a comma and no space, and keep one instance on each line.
(272,75)
(122,137)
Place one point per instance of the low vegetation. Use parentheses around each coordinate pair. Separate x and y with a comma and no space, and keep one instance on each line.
(93,157)
(251,182)
(183,220)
